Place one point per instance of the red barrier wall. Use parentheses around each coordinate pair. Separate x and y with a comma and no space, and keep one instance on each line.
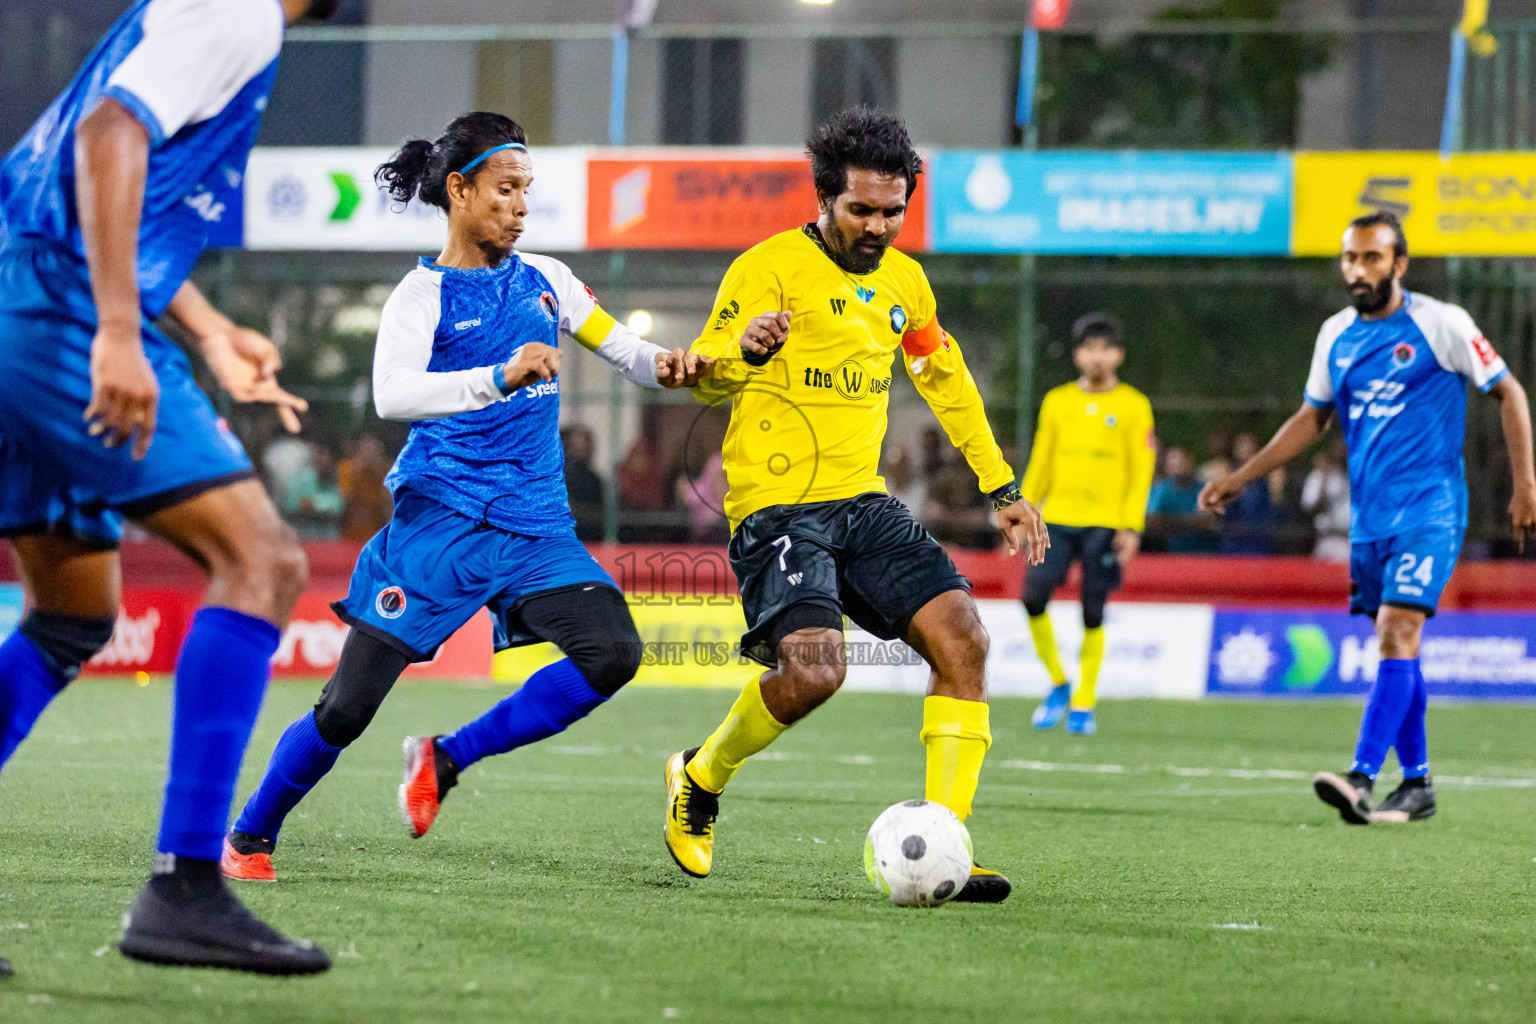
(1208,579)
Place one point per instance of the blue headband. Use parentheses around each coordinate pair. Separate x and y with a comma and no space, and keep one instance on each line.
(495,149)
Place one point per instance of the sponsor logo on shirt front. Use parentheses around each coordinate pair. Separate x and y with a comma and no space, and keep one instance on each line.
(1376,400)
(542,389)
(850,379)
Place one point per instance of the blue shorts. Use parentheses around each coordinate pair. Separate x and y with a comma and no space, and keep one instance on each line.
(1408,571)
(54,476)
(430,569)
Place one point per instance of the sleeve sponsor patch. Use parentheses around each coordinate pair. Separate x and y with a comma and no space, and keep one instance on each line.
(1485,353)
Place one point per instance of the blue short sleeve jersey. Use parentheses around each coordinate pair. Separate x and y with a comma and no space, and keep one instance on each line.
(197,74)
(1399,386)
(443,338)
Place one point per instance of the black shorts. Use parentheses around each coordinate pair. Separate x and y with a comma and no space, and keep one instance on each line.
(800,566)
(1091,545)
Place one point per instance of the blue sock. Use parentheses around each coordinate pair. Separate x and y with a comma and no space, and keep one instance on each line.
(301,759)
(221,677)
(1412,742)
(27,684)
(1384,710)
(551,699)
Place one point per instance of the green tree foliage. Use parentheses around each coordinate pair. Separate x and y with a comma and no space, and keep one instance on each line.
(1219,91)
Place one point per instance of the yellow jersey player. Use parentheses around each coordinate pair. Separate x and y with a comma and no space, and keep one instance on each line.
(1090,470)
(804,333)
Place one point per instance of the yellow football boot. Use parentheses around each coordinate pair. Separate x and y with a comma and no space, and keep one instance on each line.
(691,811)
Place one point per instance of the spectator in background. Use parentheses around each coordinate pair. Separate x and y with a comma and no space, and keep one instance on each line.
(1249,525)
(904,480)
(582,484)
(644,494)
(312,500)
(283,460)
(1325,495)
(704,498)
(1218,462)
(366,506)
(935,453)
(955,510)
(1172,507)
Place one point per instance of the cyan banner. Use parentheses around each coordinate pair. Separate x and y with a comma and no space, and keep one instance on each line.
(1147,204)
(1305,653)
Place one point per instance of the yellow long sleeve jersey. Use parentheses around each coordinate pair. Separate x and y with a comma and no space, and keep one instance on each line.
(1092,461)
(807,425)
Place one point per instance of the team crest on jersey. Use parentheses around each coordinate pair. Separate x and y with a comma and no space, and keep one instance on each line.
(550,306)
(898,319)
(1403,354)
(390,604)
(1111,420)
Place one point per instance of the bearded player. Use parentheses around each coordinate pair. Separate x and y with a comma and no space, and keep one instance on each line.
(806,328)
(1394,367)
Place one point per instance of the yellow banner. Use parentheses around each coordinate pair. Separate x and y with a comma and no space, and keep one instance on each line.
(688,641)
(1480,204)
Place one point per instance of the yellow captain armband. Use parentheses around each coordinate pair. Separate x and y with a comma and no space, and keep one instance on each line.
(592,333)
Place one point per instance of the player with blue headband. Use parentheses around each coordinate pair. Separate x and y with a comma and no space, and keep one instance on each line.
(468,352)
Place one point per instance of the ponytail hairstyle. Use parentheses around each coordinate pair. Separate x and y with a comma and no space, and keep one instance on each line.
(421,168)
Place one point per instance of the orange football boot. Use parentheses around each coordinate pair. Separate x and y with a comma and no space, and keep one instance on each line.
(429,774)
(248,867)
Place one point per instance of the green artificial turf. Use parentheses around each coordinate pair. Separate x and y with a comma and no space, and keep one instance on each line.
(1176,867)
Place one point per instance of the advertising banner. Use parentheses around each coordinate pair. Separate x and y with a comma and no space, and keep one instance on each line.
(1481,204)
(325,198)
(1301,653)
(1170,204)
(1151,650)
(709,199)
(311,644)
(148,635)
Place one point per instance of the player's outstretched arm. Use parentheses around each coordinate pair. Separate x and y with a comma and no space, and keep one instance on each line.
(1295,436)
(1515,417)
(111,161)
(244,361)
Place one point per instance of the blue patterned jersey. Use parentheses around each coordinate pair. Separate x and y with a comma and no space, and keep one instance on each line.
(1399,385)
(445,334)
(196,73)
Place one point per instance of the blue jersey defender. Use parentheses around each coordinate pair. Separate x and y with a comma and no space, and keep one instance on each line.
(1394,369)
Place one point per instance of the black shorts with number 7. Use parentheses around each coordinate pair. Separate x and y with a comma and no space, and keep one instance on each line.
(805,566)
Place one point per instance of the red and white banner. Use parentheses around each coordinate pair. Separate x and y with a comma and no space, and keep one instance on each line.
(150,628)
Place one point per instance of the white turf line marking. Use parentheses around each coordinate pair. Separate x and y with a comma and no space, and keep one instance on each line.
(1254,927)
(1506,781)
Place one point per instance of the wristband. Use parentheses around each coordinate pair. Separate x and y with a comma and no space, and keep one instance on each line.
(501,381)
(760,359)
(1004,496)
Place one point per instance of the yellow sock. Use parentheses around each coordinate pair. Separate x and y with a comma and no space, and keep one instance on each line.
(749,728)
(1045,646)
(957,735)
(1093,656)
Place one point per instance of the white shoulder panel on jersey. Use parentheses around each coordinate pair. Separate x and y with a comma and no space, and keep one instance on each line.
(403,387)
(1455,340)
(195,55)
(1319,390)
(576,303)
(621,348)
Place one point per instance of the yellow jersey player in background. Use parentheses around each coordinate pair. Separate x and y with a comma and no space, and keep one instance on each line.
(805,331)
(1091,471)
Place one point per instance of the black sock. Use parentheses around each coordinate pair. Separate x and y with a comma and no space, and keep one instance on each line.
(189,880)
(1418,783)
(447,772)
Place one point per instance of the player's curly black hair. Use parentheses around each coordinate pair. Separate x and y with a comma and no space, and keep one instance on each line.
(421,168)
(861,137)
